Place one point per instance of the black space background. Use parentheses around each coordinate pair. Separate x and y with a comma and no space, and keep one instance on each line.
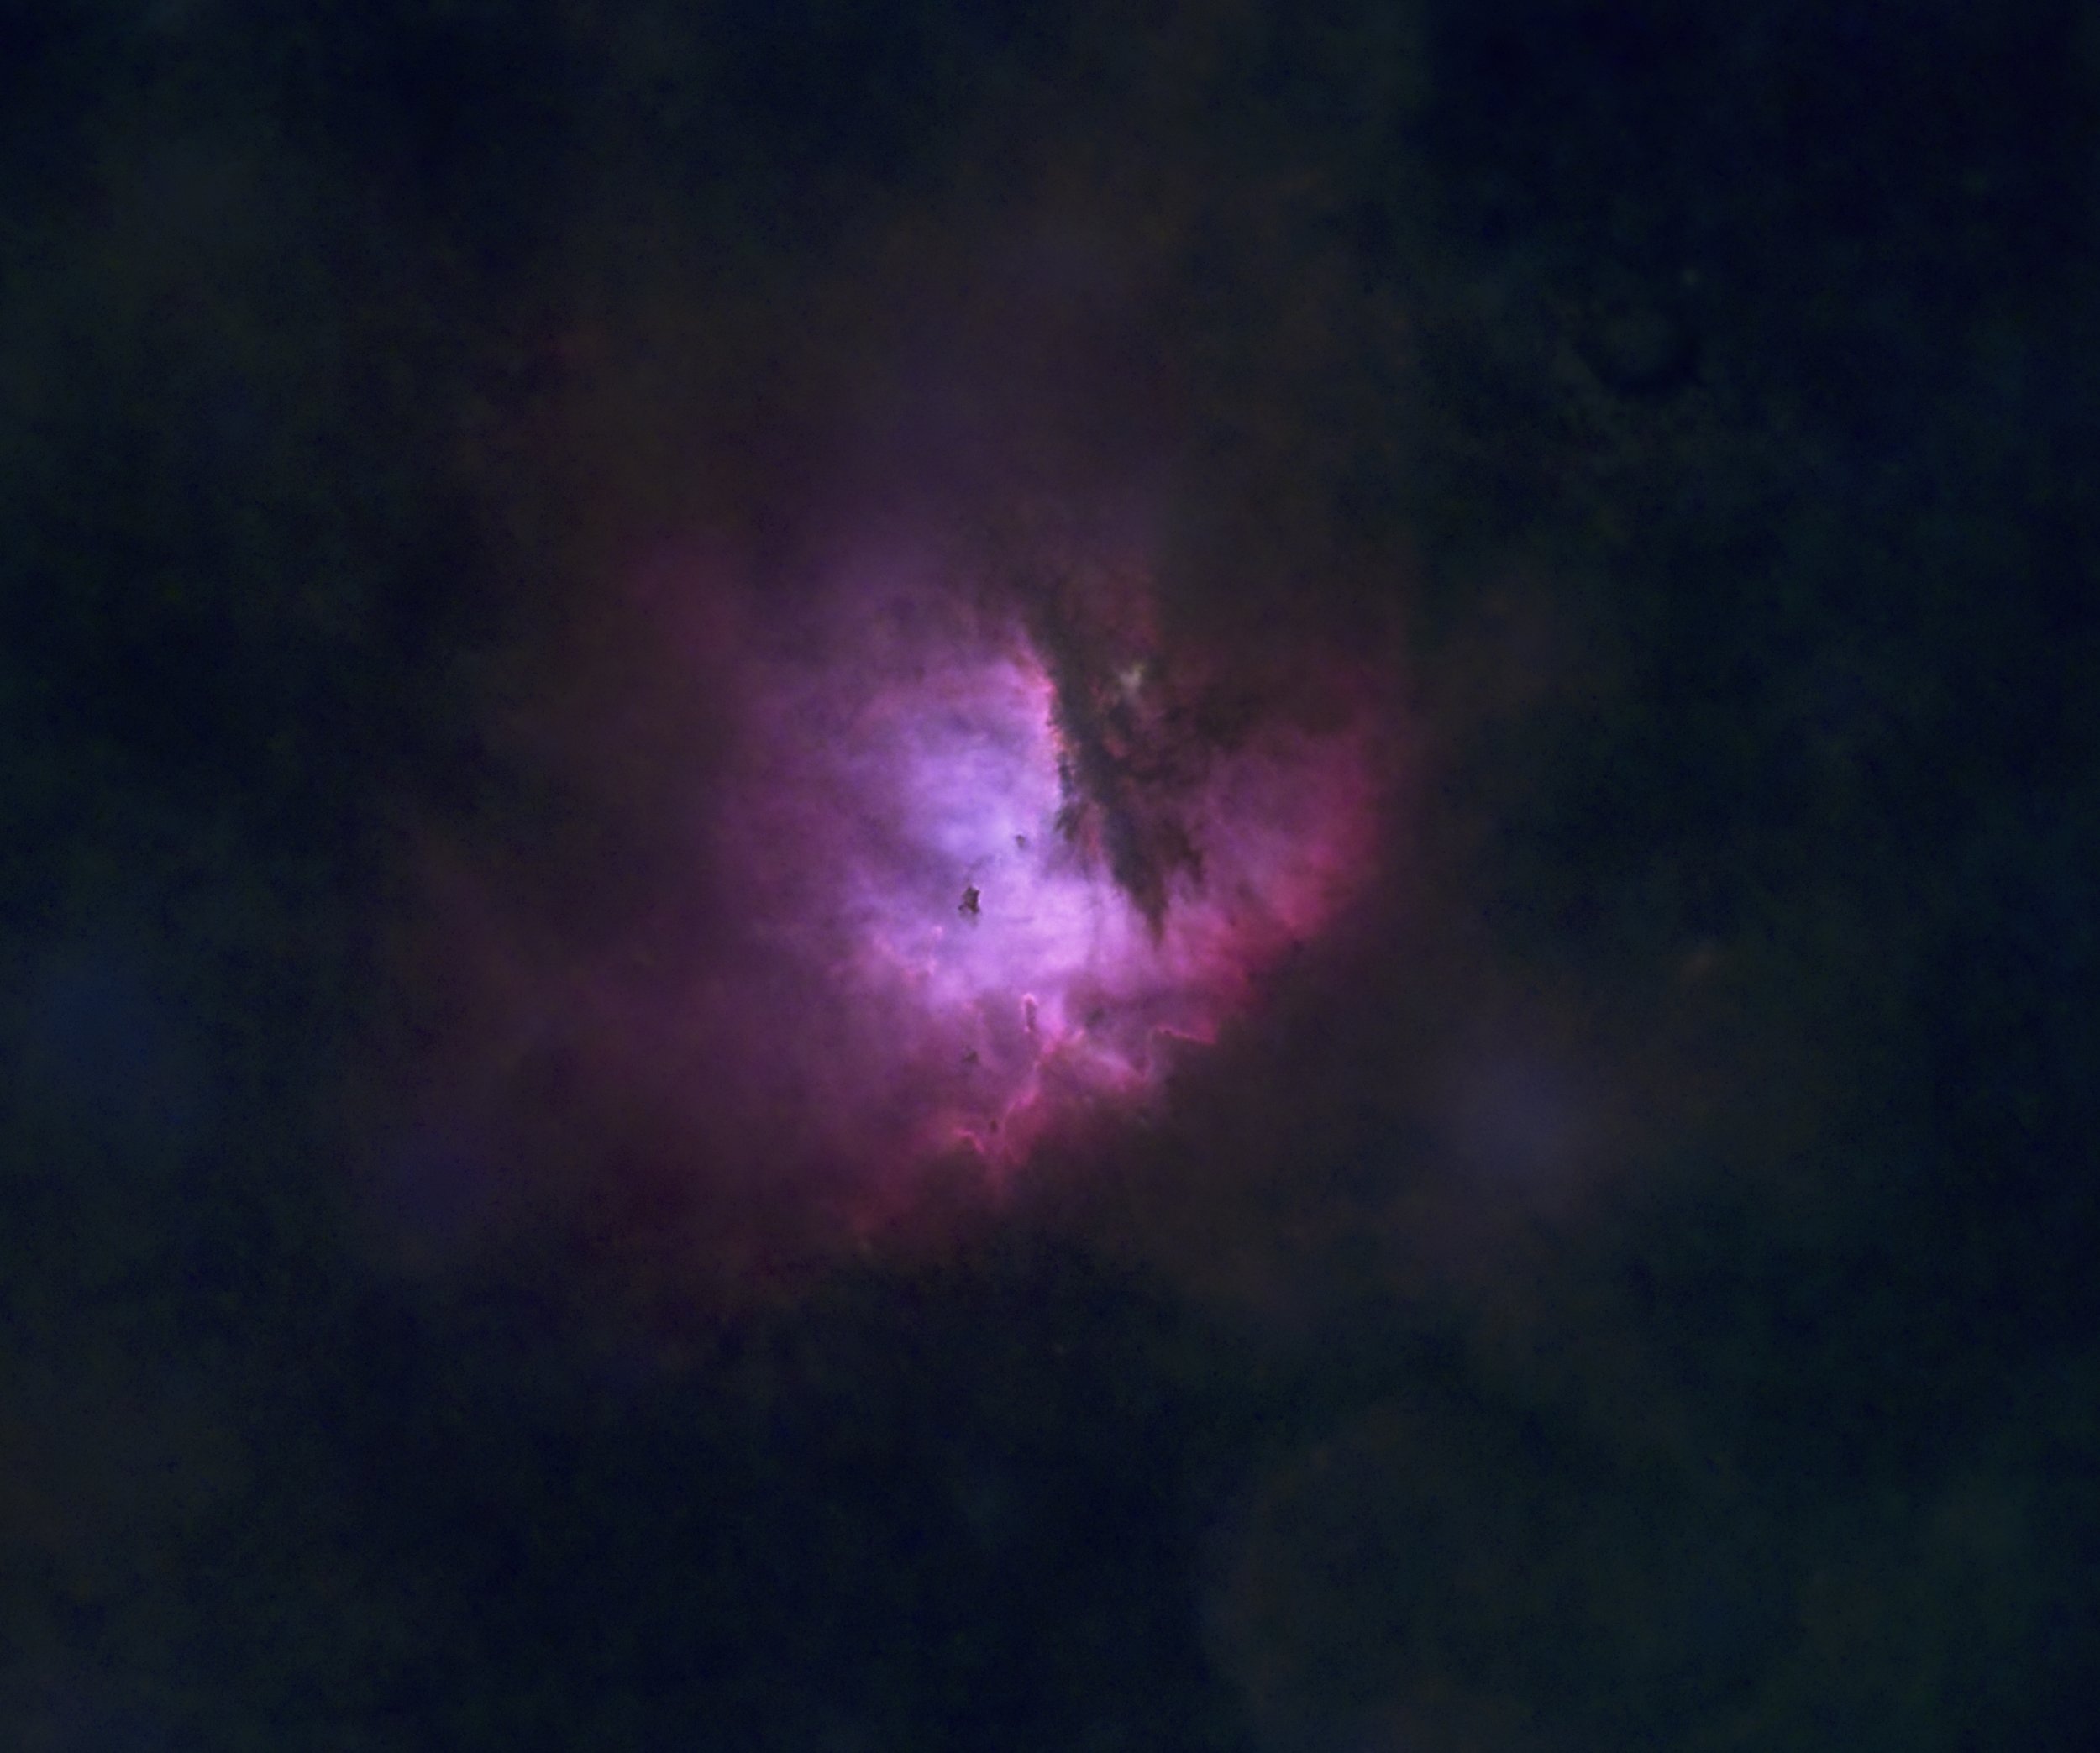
(1745,354)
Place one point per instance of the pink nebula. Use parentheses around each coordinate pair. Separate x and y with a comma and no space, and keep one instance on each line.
(933,879)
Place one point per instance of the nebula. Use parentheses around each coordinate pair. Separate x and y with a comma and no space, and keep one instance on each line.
(937,876)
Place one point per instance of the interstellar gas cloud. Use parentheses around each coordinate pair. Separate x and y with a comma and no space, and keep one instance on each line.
(949,857)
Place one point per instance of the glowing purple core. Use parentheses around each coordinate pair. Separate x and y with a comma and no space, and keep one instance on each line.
(913,817)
